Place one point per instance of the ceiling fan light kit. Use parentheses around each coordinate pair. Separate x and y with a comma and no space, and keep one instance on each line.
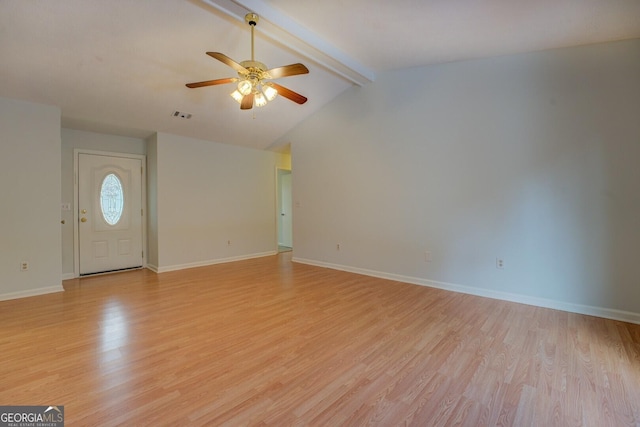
(252,85)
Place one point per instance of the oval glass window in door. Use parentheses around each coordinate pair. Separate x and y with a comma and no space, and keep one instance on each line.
(111,199)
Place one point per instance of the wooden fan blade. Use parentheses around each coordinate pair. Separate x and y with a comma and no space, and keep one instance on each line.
(212,82)
(247,101)
(289,94)
(228,61)
(287,70)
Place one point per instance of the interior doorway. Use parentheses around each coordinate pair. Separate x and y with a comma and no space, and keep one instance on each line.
(285,210)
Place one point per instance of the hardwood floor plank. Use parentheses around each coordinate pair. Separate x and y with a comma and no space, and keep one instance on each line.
(267,342)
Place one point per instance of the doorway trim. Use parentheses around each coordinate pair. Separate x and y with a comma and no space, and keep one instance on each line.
(279,170)
(76,217)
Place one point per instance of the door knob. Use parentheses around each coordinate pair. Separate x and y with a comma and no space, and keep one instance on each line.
(83,219)
(84,211)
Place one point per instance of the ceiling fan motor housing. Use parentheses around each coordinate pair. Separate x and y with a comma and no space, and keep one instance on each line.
(257,70)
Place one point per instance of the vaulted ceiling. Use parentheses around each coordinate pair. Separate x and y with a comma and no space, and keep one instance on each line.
(121,66)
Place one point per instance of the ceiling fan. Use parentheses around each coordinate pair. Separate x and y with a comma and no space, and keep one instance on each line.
(253,86)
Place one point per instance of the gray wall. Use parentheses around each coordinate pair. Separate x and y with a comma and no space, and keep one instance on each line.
(30,194)
(531,158)
(203,195)
(152,202)
(200,194)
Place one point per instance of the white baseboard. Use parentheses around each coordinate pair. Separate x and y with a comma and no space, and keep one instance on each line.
(607,313)
(208,262)
(176,267)
(31,292)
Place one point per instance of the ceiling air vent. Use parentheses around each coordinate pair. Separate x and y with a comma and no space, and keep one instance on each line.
(181,115)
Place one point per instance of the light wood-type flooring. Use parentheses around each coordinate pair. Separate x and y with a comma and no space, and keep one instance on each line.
(268,342)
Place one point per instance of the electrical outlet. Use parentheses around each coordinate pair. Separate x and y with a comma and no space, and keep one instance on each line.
(337,246)
(24,266)
(228,242)
(499,263)
(182,114)
(427,256)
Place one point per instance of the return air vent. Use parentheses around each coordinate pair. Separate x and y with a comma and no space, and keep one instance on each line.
(181,115)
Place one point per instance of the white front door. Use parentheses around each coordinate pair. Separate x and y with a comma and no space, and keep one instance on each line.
(109,213)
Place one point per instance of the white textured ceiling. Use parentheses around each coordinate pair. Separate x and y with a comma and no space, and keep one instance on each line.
(120,66)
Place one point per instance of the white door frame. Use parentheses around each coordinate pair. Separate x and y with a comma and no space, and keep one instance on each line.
(278,207)
(76,217)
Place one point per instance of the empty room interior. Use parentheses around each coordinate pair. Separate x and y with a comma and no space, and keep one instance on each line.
(274,213)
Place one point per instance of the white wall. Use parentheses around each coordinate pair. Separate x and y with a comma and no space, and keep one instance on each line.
(72,139)
(532,158)
(207,194)
(30,194)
